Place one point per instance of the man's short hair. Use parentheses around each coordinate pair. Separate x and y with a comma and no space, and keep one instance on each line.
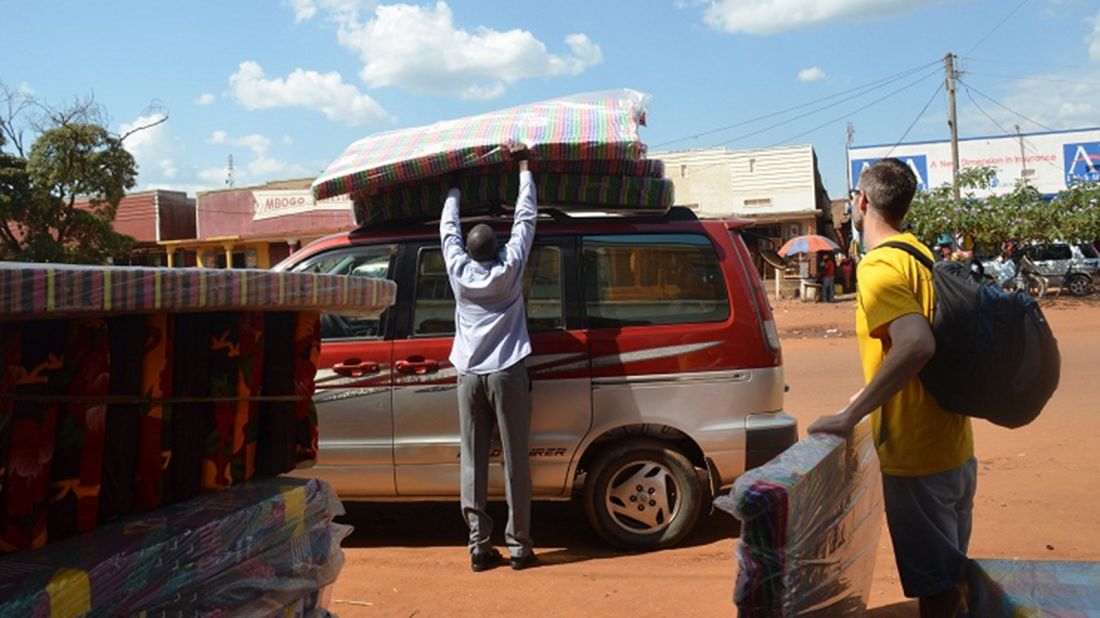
(889,185)
(481,243)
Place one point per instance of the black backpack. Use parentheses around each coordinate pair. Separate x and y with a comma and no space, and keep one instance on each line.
(996,357)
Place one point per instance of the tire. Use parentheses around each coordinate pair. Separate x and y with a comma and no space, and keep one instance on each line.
(643,495)
(1078,285)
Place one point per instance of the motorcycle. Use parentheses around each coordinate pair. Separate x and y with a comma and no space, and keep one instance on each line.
(1028,279)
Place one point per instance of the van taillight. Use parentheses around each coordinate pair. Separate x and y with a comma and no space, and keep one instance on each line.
(759,296)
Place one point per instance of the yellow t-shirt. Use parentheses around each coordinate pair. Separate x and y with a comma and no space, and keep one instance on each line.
(920,437)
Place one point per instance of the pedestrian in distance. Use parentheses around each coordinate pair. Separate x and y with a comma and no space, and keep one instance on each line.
(828,278)
(926,453)
(490,345)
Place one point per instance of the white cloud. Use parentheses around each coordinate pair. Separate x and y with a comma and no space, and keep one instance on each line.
(257,143)
(303,9)
(1063,100)
(154,149)
(324,92)
(218,137)
(420,49)
(771,16)
(1093,39)
(205,98)
(338,10)
(811,74)
(213,176)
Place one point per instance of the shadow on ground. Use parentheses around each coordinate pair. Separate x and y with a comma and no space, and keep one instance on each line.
(558,525)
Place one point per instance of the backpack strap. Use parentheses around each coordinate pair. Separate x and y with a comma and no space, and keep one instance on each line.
(911,250)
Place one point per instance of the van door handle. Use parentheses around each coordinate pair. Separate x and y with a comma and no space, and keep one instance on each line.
(355,368)
(417,365)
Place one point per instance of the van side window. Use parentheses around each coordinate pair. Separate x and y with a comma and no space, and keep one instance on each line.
(434,303)
(641,280)
(373,261)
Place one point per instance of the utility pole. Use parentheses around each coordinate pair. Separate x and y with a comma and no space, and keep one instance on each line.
(952,121)
(1023,154)
(229,173)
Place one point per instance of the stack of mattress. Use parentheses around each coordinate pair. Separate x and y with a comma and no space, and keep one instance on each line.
(586,153)
(124,390)
(256,549)
(810,525)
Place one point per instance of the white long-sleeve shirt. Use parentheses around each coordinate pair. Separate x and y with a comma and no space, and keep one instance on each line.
(490,316)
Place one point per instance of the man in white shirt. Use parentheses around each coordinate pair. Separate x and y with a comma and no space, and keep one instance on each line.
(490,345)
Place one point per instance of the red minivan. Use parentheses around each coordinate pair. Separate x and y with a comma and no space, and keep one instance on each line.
(657,369)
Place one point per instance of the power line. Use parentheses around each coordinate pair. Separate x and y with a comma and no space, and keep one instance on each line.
(1004,130)
(869,87)
(1002,106)
(1035,79)
(998,26)
(823,125)
(915,120)
(1017,63)
(830,106)
(856,111)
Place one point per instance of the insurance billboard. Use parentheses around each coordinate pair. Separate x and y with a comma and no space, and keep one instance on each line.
(1049,161)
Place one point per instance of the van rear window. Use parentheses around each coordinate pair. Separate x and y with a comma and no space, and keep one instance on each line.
(651,279)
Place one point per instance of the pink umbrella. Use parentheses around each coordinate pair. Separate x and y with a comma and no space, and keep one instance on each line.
(807,243)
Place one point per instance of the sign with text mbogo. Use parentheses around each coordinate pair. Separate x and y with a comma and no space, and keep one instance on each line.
(1049,161)
(279,203)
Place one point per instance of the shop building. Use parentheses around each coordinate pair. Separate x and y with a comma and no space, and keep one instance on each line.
(155,219)
(257,227)
(779,188)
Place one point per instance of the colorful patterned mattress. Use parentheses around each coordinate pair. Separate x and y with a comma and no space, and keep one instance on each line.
(102,417)
(53,290)
(424,200)
(247,551)
(810,525)
(1034,588)
(585,127)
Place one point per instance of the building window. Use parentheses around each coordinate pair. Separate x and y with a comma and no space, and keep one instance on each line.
(683,171)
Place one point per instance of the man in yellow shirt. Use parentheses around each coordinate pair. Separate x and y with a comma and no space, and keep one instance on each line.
(929,473)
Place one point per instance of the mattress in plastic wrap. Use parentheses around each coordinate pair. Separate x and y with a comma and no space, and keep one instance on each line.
(249,550)
(583,127)
(810,525)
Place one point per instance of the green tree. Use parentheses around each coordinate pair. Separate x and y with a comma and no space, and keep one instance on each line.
(74,159)
(1020,215)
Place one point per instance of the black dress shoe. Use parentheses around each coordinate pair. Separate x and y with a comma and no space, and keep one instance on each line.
(484,560)
(524,562)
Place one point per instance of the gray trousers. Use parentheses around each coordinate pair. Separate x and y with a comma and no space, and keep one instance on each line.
(503,397)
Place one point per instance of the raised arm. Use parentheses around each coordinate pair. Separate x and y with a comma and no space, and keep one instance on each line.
(523,223)
(450,232)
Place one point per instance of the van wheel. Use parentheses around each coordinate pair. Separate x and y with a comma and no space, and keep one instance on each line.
(643,495)
(1079,285)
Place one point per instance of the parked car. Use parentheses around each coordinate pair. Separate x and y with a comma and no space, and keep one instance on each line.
(656,366)
(1072,267)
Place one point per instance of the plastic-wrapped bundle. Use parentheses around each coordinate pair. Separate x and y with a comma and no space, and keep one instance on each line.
(424,200)
(810,525)
(1033,588)
(261,544)
(592,126)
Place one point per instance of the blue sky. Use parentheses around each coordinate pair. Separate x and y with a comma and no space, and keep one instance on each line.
(284,86)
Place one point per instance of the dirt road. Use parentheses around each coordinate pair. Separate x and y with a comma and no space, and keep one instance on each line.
(1036,499)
